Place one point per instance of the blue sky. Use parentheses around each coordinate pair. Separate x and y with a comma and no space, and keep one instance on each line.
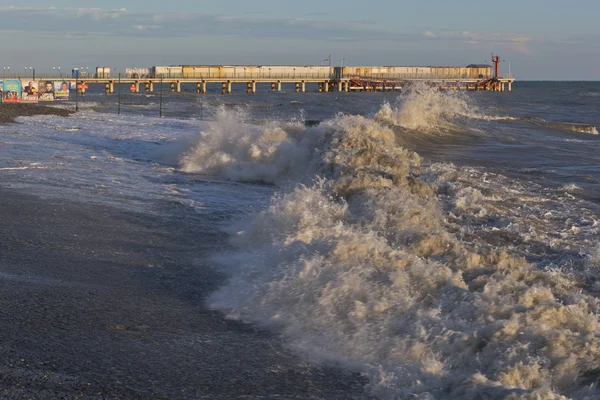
(548,39)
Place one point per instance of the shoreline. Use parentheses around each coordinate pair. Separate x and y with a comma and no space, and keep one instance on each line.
(100,302)
(10,111)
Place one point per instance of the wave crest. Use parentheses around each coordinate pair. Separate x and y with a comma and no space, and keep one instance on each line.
(422,107)
(366,266)
(241,151)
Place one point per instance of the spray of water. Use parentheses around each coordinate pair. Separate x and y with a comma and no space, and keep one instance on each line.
(366,266)
(425,108)
(247,152)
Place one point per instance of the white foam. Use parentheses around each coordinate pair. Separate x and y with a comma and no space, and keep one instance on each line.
(251,152)
(425,108)
(571,187)
(368,267)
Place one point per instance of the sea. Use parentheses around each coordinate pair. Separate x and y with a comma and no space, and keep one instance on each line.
(439,244)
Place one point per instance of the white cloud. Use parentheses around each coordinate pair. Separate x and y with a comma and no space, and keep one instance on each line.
(513,41)
(122,22)
(145,27)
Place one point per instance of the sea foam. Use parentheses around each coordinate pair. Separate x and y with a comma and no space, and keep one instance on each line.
(367,264)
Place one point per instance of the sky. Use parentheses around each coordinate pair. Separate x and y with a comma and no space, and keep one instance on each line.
(536,39)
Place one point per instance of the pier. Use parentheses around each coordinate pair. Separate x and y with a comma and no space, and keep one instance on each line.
(352,84)
(326,78)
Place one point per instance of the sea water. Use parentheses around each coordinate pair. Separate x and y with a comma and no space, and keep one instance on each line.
(443,244)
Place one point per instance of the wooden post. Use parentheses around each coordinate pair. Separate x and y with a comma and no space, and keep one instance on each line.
(119,91)
(161,95)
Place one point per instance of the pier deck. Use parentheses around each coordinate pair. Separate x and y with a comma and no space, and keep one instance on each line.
(328,82)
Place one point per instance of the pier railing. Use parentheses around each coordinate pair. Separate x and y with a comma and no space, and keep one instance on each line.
(264,76)
(416,76)
(199,76)
(236,75)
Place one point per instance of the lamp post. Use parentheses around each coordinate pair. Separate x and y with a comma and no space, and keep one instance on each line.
(77,88)
(508,67)
(160,112)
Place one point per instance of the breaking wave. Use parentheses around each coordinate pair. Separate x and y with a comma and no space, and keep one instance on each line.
(247,152)
(416,275)
(425,108)
(574,127)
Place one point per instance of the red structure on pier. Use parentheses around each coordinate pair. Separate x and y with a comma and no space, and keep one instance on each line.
(496,61)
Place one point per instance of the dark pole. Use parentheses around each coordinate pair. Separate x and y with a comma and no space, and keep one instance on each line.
(33,74)
(161,90)
(119,91)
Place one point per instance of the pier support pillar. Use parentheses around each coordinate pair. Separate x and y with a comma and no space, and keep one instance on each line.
(178,86)
(151,86)
(326,86)
(203,87)
(137,87)
(228,87)
(303,86)
(251,87)
(340,86)
(107,88)
(510,86)
(198,87)
(279,86)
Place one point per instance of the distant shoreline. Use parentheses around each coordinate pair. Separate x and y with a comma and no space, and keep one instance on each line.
(10,111)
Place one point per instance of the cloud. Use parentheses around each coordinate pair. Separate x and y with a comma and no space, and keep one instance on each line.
(94,13)
(513,41)
(145,27)
(98,22)
(121,22)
